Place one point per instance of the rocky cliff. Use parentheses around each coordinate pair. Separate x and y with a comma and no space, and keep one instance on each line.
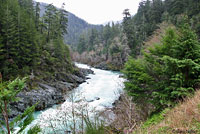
(47,93)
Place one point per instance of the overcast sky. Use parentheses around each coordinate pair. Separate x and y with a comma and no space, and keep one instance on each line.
(97,11)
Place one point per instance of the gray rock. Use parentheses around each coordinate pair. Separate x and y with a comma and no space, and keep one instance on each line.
(86,71)
(102,66)
(96,98)
(47,95)
(90,100)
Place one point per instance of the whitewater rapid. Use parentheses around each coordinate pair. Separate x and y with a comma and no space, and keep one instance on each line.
(99,92)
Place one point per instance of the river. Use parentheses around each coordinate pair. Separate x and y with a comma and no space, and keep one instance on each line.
(98,93)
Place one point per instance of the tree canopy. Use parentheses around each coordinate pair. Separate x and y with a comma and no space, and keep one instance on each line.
(28,40)
(168,72)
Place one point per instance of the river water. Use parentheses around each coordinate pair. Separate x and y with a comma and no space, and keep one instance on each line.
(97,94)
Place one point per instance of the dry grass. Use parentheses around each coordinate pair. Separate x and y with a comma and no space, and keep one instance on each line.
(157,35)
(183,119)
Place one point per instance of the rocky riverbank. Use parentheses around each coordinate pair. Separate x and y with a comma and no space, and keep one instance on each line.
(47,93)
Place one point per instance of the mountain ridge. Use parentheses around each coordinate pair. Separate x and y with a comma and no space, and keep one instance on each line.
(76,26)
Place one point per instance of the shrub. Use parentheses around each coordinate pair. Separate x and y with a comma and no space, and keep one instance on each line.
(168,72)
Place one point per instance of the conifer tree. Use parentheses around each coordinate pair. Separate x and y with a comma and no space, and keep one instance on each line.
(63,22)
(82,44)
(9,38)
(37,15)
(169,72)
(48,18)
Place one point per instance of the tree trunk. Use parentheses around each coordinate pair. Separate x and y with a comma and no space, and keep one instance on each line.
(5,111)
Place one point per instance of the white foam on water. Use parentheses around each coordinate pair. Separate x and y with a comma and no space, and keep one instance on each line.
(98,92)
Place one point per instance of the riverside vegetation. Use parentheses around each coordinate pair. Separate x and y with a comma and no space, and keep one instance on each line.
(161,78)
(162,40)
(32,46)
(166,66)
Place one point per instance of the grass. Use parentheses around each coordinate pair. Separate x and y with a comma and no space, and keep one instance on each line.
(94,127)
(182,119)
(156,37)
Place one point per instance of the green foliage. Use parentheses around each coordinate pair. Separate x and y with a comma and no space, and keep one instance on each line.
(130,31)
(95,127)
(152,12)
(24,120)
(142,25)
(8,92)
(136,75)
(82,44)
(115,49)
(155,119)
(18,35)
(36,129)
(25,36)
(169,72)
(94,39)
(182,6)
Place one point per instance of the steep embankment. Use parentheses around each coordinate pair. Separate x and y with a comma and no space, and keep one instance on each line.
(184,118)
(49,92)
(41,55)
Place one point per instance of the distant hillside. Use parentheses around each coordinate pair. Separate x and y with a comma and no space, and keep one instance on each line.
(76,26)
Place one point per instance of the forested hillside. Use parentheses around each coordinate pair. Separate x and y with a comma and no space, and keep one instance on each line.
(141,26)
(30,46)
(76,27)
(157,51)
(32,51)
(134,31)
(105,49)
(30,43)
(164,68)
(176,51)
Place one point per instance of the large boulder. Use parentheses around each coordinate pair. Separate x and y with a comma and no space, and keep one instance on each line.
(46,96)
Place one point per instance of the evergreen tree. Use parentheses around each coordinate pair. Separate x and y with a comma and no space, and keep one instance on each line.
(130,31)
(9,38)
(49,17)
(157,11)
(92,39)
(168,72)
(126,14)
(37,15)
(24,35)
(82,44)
(63,22)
